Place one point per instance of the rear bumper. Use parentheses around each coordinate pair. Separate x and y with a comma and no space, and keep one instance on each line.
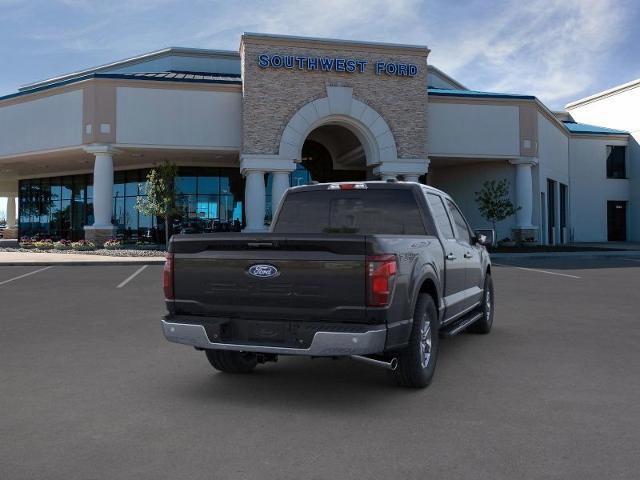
(324,344)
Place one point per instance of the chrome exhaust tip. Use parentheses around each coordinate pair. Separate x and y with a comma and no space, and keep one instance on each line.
(391,365)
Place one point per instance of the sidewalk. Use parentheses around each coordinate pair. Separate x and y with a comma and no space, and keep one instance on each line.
(616,245)
(31,258)
(592,254)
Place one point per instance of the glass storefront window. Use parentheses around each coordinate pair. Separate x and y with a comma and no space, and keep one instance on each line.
(208,185)
(131,185)
(118,184)
(186,184)
(210,199)
(67,188)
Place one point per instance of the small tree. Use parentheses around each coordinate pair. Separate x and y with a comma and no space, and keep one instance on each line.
(494,202)
(160,193)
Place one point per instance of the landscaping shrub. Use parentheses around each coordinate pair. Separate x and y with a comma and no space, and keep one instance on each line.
(83,245)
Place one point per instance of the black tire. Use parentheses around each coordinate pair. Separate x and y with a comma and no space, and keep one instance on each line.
(412,371)
(483,326)
(232,362)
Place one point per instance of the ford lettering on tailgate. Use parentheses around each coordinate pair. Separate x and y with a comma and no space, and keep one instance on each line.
(263,271)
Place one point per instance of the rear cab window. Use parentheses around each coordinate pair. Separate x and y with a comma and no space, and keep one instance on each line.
(372,211)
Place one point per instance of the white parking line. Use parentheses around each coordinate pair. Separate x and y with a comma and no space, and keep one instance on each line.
(539,271)
(132,276)
(25,275)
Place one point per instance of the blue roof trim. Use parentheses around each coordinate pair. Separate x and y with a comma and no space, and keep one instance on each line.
(226,79)
(444,92)
(575,127)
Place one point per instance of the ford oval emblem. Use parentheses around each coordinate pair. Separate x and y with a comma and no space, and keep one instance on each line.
(263,271)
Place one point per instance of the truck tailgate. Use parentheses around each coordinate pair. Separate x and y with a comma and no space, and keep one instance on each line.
(294,277)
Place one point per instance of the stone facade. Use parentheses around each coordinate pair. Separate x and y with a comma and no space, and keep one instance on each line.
(272,96)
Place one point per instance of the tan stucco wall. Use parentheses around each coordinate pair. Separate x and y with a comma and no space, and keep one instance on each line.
(271,96)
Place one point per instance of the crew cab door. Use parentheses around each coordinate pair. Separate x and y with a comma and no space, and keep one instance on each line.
(471,255)
(455,266)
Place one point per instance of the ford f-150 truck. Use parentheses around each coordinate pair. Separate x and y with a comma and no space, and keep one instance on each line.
(376,271)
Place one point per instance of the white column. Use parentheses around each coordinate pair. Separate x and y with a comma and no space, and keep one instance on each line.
(254,200)
(103,190)
(279,185)
(11,211)
(524,192)
(411,178)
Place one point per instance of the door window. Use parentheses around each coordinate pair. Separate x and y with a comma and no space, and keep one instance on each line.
(440,215)
(462,230)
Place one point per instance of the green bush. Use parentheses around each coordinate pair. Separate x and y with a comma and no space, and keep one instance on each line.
(83,245)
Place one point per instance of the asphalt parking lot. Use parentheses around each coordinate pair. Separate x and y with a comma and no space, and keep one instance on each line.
(89,388)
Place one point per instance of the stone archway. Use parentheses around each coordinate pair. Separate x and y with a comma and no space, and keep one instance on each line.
(340,108)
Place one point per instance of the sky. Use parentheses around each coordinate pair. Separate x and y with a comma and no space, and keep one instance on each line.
(558,50)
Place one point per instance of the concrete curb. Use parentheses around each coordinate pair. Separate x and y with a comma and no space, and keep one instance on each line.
(543,255)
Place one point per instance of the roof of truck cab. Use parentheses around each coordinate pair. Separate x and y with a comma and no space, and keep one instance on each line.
(373,183)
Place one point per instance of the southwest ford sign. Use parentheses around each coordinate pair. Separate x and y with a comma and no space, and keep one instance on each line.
(335,64)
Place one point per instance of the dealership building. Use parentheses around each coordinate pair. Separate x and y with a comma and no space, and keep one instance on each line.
(244,126)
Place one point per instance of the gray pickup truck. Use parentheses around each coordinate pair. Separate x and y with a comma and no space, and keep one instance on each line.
(375,271)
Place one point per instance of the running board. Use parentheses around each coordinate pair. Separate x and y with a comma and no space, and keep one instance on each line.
(459,325)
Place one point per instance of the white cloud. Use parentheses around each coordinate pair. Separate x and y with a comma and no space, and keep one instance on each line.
(554,49)
(549,48)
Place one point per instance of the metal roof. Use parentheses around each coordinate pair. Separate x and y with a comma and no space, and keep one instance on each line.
(145,57)
(575,127)
(444,92)
(186,77)
(176,75)
(604,93)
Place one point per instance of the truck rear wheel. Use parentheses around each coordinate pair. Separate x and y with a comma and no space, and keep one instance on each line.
(232,362)
(417,363)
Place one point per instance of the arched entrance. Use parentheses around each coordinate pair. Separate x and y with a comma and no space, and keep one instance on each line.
(332,153)
(335,138)
(346,117)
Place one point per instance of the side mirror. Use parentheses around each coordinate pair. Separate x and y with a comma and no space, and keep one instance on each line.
(484,237)
(481,239)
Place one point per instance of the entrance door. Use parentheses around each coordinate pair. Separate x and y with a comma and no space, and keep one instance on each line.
(543,219)
(617,221)
(551,211)
(563,213)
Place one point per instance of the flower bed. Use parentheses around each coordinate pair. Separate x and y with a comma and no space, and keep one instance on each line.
(83,245)
(62,245)
(26,243)
(112,247)
(122,252)
(113,244)
(43,244)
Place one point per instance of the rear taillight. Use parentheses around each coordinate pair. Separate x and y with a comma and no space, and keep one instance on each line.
(167,275)
(381,278)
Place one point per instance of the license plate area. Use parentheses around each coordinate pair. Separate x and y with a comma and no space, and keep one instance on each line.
(268,332)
